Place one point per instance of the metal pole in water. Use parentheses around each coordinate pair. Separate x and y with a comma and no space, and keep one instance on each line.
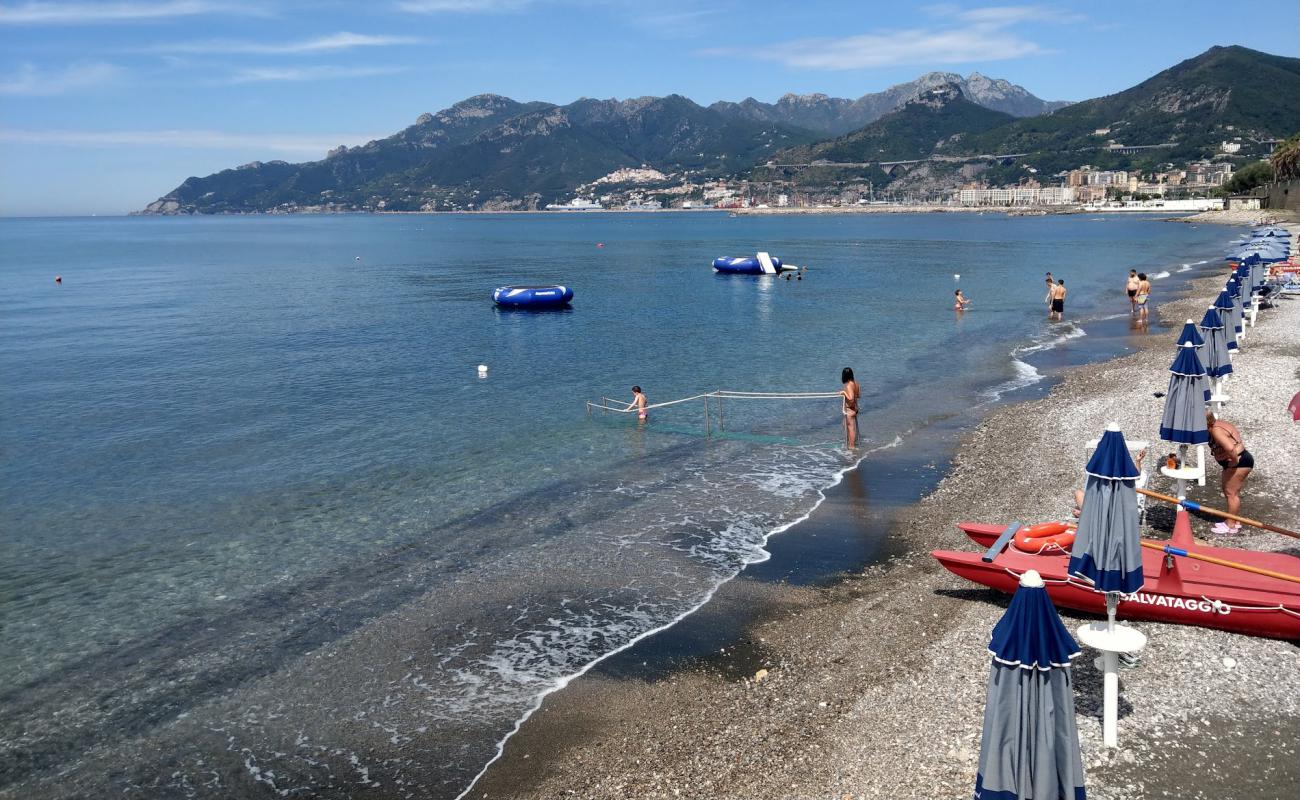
(706,415)
(722,426)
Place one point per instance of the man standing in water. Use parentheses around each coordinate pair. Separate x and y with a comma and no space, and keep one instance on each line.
(850,394)
(1131,288)
(1051,286)
(1057,298)
(639,403)
(1143,295)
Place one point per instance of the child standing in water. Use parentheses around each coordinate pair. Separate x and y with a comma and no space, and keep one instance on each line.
(639,403)
(850,394)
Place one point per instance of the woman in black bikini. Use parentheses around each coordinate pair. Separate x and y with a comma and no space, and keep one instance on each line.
(850,394)
(1237,462)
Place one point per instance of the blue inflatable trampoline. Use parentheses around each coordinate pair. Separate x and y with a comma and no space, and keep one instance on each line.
(532,296)
(760,264)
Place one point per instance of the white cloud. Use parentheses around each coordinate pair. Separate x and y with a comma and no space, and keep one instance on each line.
(677,24)
(30,81)
(978,34)
(89,13)
(308,145)
(889,48)
(461,6)
(324,72)
(321,44)
(1011,15)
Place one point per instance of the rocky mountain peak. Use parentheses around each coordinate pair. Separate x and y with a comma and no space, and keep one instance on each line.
(816,98)
(939,95)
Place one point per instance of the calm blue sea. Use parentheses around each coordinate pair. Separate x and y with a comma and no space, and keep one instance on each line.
(266,532)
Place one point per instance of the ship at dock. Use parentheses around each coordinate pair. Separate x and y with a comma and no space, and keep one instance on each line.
(576,204)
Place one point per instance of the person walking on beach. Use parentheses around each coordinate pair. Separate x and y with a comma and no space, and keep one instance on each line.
(1143,295)
(1237,462)
(850,394)
(1131,288)
(961,302)
(1057,300)
(639,403)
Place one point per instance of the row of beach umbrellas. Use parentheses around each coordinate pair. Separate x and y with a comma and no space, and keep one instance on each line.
(1030,745)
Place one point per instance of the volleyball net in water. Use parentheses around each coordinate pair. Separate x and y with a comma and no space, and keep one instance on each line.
(718,396)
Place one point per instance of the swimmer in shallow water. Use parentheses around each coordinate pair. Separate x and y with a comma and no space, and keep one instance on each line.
(639,403)
(961,302)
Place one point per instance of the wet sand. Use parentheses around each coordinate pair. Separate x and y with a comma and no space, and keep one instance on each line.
(873,686)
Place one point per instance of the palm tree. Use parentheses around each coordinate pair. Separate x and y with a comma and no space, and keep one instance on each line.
(1286,160)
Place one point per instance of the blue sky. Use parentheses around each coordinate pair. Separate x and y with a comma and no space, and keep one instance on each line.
(104,106)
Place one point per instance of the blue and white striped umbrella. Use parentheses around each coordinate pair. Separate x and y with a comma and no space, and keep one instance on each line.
(1215,353)
(1107,548)
(1224,306)
(1234,291)
(1030,744)
(1183,421)
(1190,334)
(1242,276)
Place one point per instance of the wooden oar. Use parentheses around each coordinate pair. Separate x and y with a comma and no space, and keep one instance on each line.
(1190,506)
(1178,551)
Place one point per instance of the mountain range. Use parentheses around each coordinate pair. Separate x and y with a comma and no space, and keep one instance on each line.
(833,116)
(491,152)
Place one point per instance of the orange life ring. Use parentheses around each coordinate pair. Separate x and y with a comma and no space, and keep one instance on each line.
(1045,537)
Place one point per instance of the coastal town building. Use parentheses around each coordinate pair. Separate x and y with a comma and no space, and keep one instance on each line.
(1028,195)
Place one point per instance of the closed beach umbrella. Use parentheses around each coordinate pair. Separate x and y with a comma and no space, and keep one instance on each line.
(1184,419)
(1107,548)
(1030,745)
(1215,353)
(1233,288)
(1223,305)
(1191,334)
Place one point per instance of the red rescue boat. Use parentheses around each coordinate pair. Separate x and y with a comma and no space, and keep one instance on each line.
(1177,589)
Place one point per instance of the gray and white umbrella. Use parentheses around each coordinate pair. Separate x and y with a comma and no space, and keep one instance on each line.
(1107,547)
(1183,421)
(1030,744)
(1215,353)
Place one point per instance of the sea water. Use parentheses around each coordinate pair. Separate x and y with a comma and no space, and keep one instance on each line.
(266,531)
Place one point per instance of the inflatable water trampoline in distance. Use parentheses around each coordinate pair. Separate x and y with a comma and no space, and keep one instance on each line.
(532,296)
(760,264)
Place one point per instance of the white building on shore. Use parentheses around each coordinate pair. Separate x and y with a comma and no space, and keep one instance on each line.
(1017,196)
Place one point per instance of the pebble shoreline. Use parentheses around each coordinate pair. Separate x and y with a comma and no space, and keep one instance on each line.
(874,687)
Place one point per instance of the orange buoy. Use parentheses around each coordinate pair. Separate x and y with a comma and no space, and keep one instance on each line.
(1045,537)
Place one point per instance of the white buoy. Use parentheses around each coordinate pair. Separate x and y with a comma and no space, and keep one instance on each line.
(358,258)
(956,277)
(482,370)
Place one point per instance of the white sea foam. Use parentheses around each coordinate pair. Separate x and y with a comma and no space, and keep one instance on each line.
(1185,268)
(1050,341)
(1026,375)
(1161,274)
